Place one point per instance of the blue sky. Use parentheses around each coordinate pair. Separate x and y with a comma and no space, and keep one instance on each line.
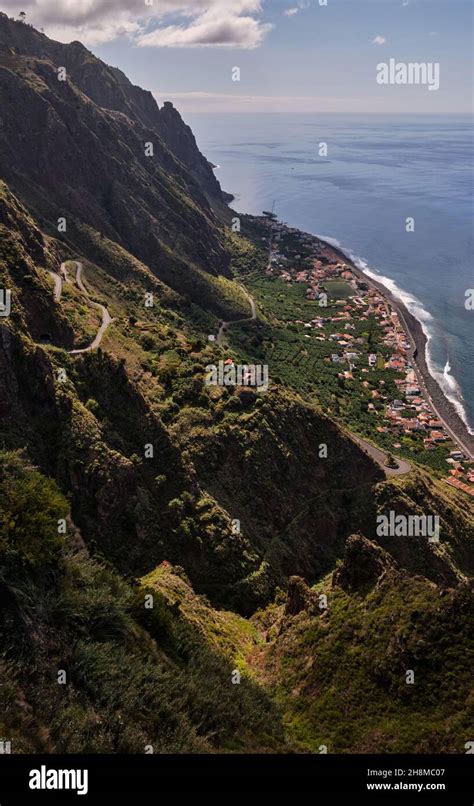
(294,55)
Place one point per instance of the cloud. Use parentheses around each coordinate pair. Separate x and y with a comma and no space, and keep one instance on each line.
(379,40)
(290,12)
(163,23)
(214,28)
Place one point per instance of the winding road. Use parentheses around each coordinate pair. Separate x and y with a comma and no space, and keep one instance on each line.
(59,280)
(371,450)
(380,457)
(251,318)
(58,285)
(106,318)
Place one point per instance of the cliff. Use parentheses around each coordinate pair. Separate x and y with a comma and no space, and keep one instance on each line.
(97,151)
(219,504)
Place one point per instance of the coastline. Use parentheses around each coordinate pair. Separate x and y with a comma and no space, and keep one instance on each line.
(429,386)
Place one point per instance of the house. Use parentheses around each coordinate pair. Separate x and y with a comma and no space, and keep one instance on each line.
(398,405)
(438,436)
(372,360)
(460,486)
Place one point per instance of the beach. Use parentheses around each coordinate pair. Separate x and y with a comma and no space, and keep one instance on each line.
(429,388)
(428,385)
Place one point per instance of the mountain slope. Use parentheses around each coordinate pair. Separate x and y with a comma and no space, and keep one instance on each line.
(235,511)
(104,159)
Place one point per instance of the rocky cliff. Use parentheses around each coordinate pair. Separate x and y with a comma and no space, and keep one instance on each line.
(79,142)
(258,549)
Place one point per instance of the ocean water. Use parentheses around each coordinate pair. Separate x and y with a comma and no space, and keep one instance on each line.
(379,171)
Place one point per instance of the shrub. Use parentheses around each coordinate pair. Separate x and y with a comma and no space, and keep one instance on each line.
(30,508)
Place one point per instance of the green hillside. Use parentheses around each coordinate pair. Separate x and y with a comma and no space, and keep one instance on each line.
(164,542)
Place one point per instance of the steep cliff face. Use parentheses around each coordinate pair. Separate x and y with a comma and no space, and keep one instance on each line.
(217,501)
(97,151)
(110,88)
(181,141)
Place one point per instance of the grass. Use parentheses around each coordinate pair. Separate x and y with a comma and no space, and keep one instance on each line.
(338,289)
(346,686)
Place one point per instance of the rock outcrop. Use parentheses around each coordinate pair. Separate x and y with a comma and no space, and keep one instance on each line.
(363,566)
(299,596)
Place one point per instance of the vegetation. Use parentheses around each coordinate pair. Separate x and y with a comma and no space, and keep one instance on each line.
(152,525)
(341,676)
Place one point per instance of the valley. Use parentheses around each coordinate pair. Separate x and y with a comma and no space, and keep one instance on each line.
(151,601)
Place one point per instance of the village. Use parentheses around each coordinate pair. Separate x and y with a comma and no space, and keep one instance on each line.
(343,300)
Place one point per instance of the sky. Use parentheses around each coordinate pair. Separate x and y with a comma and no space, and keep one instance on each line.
(300,56)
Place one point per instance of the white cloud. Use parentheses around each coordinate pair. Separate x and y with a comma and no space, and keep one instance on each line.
(213,28)
(190,23)
(379,40)
(290,12)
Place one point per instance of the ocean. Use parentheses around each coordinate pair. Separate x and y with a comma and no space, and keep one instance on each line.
(379,171)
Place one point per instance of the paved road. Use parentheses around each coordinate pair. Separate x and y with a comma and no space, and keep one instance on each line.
(63,272)
(459,441)
(380,457)
(58,285)
(63,277)
(106,318)
(251,318)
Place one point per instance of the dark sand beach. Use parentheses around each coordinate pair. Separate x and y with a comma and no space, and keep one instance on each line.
(444,409)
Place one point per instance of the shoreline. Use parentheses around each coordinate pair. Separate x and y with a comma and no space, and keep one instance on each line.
(429,386)
(442,407)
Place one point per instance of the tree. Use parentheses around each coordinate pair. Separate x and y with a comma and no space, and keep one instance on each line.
(22,16)
(391,461)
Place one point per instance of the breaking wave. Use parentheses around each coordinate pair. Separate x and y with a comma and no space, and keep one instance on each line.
(442,375)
